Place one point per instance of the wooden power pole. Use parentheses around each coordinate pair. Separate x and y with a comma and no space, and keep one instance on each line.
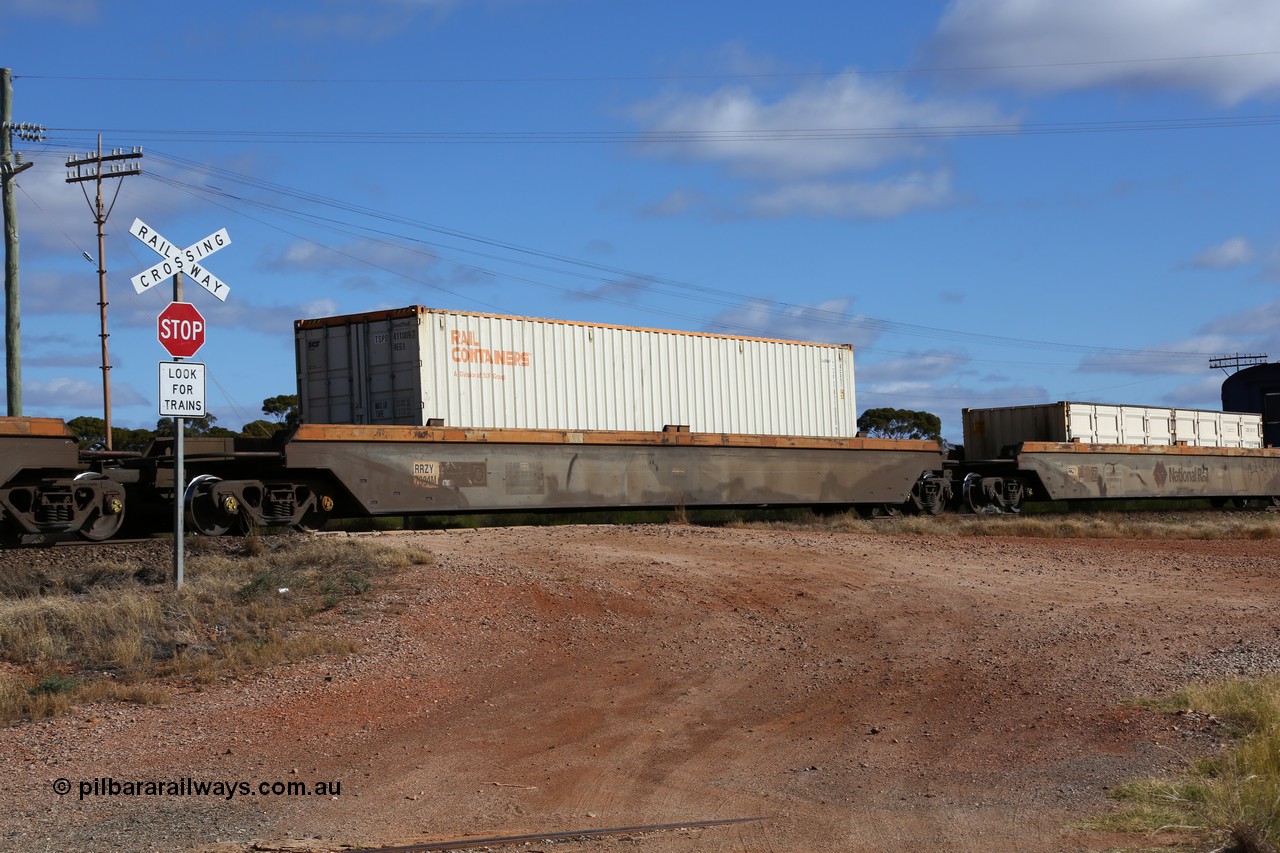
(90,168)
(9,169)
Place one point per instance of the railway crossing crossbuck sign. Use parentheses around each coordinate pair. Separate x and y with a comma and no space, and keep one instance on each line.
(189,261)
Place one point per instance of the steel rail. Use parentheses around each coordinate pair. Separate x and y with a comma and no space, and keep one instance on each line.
(560,836)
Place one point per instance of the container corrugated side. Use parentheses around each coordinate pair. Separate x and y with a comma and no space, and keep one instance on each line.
(492,371)
(1103,423)
(1201,428)
(988,431)
(360,372)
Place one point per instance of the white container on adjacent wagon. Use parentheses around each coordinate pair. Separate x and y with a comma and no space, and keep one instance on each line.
(416,365)
(988,431)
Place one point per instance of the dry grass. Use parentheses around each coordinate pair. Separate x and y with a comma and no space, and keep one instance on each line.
(1235,795)
(104,634)
(1111,525)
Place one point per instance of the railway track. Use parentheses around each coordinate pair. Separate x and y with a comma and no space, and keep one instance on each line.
(568,835)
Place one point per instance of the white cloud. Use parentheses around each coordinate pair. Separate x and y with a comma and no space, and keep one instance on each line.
(72,11)
(66,394)
(1271,269)
(1202,393)
(842,147)
(624,290)
(828,321)
(1051,45)
(675,203)
(363,255)
(359,20)
(856,199)
(845,123)
(318,308)
(1235,252)
(1187,356)
(926,366)
(52,214)
(1253,330)
(1262,322)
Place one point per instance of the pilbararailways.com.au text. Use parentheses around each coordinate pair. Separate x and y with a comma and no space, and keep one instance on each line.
(107,786)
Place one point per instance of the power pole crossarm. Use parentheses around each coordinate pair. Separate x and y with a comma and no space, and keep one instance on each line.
(1237,360)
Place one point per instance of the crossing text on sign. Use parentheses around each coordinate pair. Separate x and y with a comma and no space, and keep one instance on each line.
(187,261)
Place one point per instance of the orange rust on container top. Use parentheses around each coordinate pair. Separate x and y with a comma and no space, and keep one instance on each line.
(370,432)
(50,427)
(1147,449)
(420,310)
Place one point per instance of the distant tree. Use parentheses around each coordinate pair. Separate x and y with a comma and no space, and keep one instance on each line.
(261,429)
(283,407)
(192,427)
(131,439)
(90,433)
(900,423)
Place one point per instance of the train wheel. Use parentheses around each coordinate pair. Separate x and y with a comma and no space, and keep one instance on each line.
(205,515)
(316,517)
(10,537)
(929,495)
(106,521)
(971,493)
(103,525)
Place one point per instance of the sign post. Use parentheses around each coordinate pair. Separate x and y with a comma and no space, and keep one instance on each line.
(180,329)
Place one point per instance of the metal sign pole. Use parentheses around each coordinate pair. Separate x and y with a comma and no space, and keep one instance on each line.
(185,334)
(179,472)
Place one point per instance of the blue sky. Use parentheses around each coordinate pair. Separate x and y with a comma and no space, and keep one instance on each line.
(998,202)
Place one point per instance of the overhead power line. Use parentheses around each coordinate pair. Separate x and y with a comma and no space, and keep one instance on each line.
(676,137)
(642,283)
(649,78)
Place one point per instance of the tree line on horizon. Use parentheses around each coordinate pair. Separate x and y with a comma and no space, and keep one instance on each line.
(281,412)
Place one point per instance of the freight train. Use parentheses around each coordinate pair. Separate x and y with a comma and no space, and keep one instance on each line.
(417,411)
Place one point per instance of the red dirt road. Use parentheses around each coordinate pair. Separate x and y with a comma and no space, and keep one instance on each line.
(857,692)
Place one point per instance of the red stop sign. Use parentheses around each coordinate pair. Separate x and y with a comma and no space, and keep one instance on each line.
(180,329)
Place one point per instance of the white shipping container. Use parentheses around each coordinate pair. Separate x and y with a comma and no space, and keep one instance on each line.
(416,364)
(1218,429)
(988,431)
